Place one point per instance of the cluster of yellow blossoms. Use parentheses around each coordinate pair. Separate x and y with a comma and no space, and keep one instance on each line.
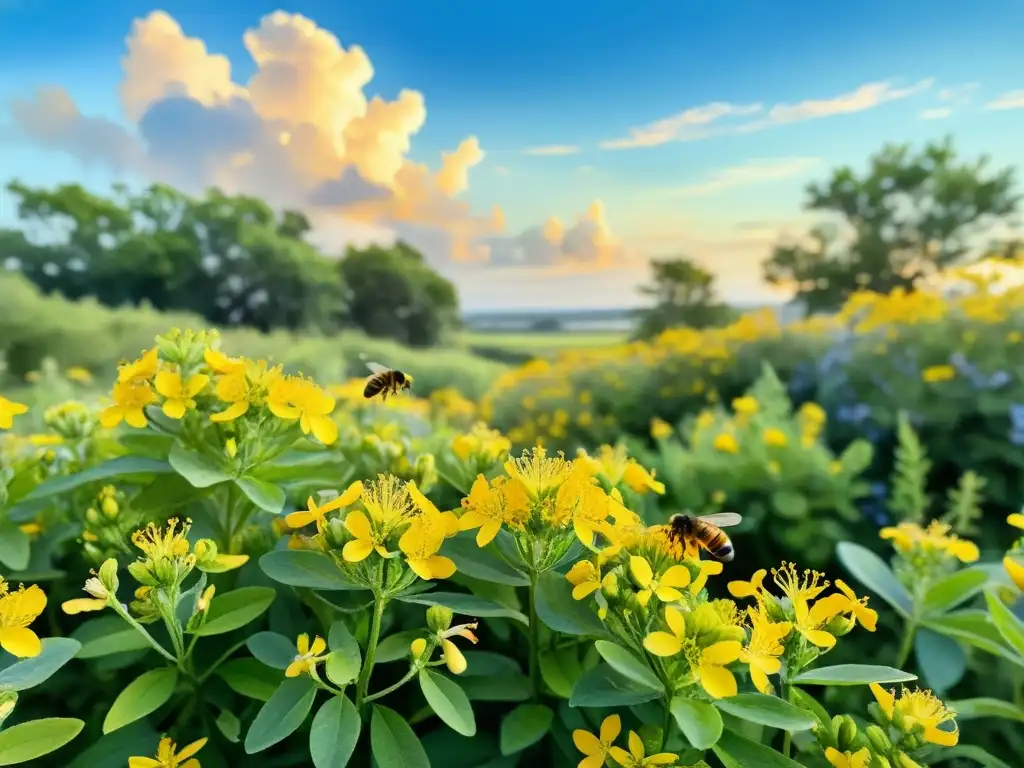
(187,374)
(1014,560)
(598,748)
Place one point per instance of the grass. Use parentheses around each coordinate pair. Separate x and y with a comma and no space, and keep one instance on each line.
(540,342)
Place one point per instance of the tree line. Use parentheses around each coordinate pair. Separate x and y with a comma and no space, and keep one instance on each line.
(229,258)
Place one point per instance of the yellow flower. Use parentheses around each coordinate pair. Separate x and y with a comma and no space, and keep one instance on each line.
(129,401)
(746,405)
(918,709)
(141,370)
(8,410)
(18,610)
(859,759)
(585,579)
(318,514)
(538,474)
(388,506)
(937,373)
(423,538)
(765,646)
(166,757)
(707,665)
(308,656)
(635,757)
(774,437)
(1015,571)
(725,442)
(243,389)
(907,537)
(453,657)
(179,396)
(640,480)
(752,588)
(595,748)
(858,606)
(99,600)
(79,374)
(666,586)
(489,506)
(707,568)
(660,430)
(209,560)
(1016,520)
(293,398)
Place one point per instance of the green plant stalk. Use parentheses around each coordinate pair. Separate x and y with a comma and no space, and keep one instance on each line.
(413,670)
(363,683)
(787,737)
(534,636)
(142,631)
(906,642)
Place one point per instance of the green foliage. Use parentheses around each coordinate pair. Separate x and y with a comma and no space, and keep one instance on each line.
(910,477)
(684,295)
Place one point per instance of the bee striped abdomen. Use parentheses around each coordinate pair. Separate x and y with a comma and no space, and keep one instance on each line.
(721,548)
(374,386)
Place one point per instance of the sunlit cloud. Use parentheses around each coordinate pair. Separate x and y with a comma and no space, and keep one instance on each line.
(950,99)
(719,118)
(553,150)
(753,172)
(1009,100)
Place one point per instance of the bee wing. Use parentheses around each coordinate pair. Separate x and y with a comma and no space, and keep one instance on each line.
(377,368)
(722,519)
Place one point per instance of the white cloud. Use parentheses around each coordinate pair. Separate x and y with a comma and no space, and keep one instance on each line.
(950,99)
(937,113)
(717,118)
(753,172)
(1009,100)
(553,150)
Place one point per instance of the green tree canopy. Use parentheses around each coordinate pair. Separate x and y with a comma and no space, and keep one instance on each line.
(684,295)
(911,214)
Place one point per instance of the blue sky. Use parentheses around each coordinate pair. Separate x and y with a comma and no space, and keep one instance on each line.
(527,75)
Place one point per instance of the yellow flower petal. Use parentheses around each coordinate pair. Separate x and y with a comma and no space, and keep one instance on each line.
(676,576)
(886,700)
(1015,570)
(941,737)
(358,525)
(718,681)
(1016,520)
(580,591)
(587,743)
(724,652)
(20,641)
(611,727)
(82,604)
(641,570)
(143,762)
(296,668)
(356,551)
(663,644)
(319,646)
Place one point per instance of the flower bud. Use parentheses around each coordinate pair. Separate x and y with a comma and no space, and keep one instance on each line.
(205,551)
(108,575)
(840,625)
(92,516)
(92,552)
(877,738)
(141,574)
(231,447)
(203,603)
(846,733)
(879,761)
(439,618)
(426,471)
(417,648)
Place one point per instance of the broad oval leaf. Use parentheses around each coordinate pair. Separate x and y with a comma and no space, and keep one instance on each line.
(602,686)
(807,702)
(393,742)
(449,702)
(465,604)
(229,725)
(699,721)
(199,470)
(767,710)
(334,733)
(506,687)
(557,609)
(144,695)
(873,572)
(749,753)
(119,467)
(852,674)
(625,663)
(974,754)
(250,678)
(941,659)
(28,673)
(1009,626)
(396,646)
(344,661)
(235,609)
(524,726)
(974,709)
(107,635)
(481,563)
(976,628)
(35,738)
(954,590)
(15,549)
(272,649)
(281,715)
(304,568)
(263,494)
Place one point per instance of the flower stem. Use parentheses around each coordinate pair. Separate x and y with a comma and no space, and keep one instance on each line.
(666,725)
(906,643)
(787,737)
(363,683)
(391,688)
(142,631)
(534,631)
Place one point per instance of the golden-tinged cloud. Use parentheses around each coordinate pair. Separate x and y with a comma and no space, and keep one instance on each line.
(300,133)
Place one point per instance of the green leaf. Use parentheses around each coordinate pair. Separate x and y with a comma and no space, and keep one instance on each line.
(304,568)
(106,636)
(560,668)
(971,752)
(699,721)
(481,563)
(235,609)
(266,496)
(852,674)
(393,742)
(871,571)
(974,709)
(524,726)
(229,725)
(14,546)
(197,469)
(119,467)
(790,504)
(335,731)
(602,686)
(449,702)
(625,663)
(1009,626)
(807,702)
(749,753)
(975,628)
(281,715)
(767,710)
(941,659)
(250,678)
(272,649)
(27,741)
(28,673)
(396,646)
(497,688)
(145,694)
(465,604)
(344,661)
(954,590)
(557,609)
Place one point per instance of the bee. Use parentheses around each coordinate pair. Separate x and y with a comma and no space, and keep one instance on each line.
(706,531)
(385,381)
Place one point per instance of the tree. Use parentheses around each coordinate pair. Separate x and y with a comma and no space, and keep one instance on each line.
(684,295)
(910,215)
(394,293)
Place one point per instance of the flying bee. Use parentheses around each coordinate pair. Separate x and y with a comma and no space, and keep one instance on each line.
(706,531)
(385,381)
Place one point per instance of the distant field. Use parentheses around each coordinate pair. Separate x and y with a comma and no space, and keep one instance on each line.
(540,343)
